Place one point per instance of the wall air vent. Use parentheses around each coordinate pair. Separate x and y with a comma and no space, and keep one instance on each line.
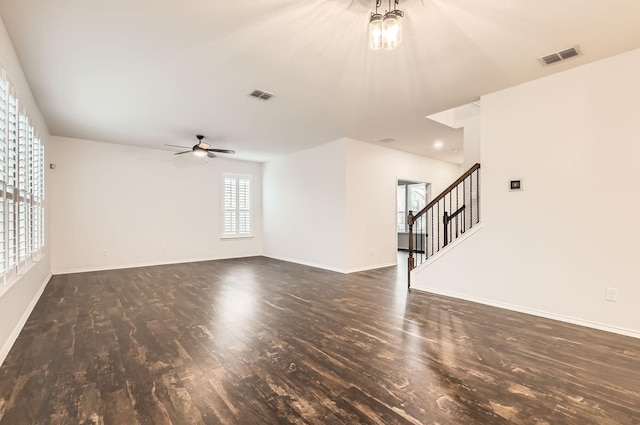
(261,94)
(560,55)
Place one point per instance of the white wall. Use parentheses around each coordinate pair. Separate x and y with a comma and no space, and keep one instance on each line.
(466,117)
(372,175)
(142,206)
(16,304)
(334,206)
(554,247)
(472,138)
(304,207)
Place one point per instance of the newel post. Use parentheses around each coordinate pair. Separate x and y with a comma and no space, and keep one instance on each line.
(410,260)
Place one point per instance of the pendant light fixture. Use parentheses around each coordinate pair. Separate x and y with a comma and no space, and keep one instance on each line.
(385,31)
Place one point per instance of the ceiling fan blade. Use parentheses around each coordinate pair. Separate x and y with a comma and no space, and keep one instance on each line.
(176,146)
(221,150)
(180,153)
(211,155)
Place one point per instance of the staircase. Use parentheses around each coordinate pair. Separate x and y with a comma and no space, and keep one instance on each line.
(447,217)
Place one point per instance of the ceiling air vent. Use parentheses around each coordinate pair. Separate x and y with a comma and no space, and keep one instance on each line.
(261,94)
(387,140)
(560,55)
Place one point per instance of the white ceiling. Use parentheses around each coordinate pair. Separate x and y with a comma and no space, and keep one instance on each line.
(146,73)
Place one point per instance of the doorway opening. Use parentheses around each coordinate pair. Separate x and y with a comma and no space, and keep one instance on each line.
(411,196)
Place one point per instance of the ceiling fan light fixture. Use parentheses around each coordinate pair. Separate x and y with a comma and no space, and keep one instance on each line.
(199,152)
(202,149)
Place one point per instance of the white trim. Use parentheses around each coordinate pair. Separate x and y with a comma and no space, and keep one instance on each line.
(306,263)
(559,317)
(4,351)
(332,269)
(22,271)
(236,237)
(197,260)
(376,266)
(147,264)
(444,251)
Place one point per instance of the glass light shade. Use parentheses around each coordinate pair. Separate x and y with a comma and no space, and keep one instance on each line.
(391,30)
(375,31)
(199,152)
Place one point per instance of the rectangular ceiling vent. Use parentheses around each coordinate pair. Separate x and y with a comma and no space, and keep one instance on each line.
(387,140)
(261,94)
(560,55)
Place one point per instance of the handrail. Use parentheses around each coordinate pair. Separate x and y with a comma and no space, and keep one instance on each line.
(447,190)
(445,218)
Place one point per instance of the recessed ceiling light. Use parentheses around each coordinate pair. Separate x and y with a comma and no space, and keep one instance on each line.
(438,144)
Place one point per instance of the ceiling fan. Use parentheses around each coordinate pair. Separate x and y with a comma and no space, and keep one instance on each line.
(202,149)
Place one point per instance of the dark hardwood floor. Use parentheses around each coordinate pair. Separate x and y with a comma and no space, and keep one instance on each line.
(260,341)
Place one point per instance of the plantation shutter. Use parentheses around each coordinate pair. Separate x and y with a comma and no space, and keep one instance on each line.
(11,190)
(237,205)
(21,187)
(23,135)
(230,205)
(4,99)
(244,206)
(37,193)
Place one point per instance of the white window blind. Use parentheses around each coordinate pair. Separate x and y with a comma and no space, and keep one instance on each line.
(21,186)
(237,205)
(23,124)
(4,99)
(12,168)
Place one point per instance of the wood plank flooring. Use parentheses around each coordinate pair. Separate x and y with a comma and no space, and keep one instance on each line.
(260,341)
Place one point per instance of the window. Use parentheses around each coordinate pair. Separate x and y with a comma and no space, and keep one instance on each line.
(237,205)
(402,208)
(21,187)
(411,196)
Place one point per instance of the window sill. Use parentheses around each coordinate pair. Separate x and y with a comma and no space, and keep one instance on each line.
(20,274)
(236,237)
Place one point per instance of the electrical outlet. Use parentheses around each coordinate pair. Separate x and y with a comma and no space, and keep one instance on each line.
(611,294)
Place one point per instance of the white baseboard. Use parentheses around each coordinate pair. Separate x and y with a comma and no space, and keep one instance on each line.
(561,318)
(307,263)
(332,269)
(376,266)
(146,264)
(4,351)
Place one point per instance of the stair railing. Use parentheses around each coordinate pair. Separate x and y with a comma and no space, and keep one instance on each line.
(444,219)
